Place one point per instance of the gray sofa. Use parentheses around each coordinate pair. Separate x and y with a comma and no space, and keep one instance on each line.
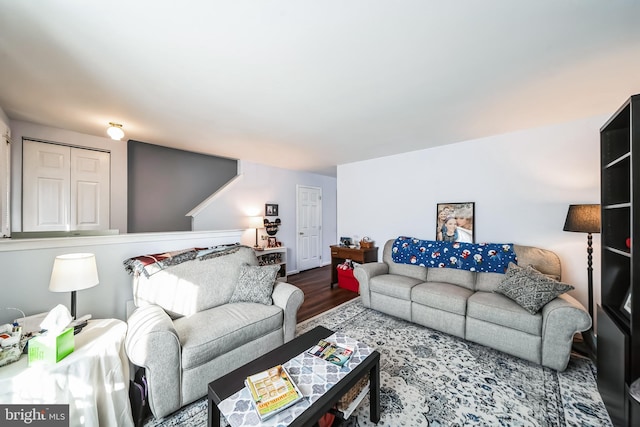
(463,303)
(186,333)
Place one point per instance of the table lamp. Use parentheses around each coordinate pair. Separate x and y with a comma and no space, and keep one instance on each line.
(256,222)
(73,272)
(585,219)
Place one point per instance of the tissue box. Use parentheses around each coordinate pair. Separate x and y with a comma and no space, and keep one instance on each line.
(51,348)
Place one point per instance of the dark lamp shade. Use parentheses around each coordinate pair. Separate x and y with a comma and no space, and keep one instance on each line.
(583,219)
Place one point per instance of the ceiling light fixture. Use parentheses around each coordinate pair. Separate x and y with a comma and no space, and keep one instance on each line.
(115,131)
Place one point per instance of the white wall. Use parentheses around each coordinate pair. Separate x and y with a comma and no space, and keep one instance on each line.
(4,120)
(260,184)
(522,184)
(118,151)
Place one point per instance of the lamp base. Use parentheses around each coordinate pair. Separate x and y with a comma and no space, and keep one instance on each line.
(73,305)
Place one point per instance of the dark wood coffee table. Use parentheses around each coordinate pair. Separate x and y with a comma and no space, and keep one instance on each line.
(229,384)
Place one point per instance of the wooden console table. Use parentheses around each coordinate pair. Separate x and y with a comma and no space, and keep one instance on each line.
(340,253)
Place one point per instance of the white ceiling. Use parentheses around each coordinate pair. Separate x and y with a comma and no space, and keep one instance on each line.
(308,85)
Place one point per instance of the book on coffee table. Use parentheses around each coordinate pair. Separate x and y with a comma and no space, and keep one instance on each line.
(331,352)
(272,391)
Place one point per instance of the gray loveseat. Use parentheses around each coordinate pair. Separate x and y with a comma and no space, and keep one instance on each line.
(463,303)
(186,333)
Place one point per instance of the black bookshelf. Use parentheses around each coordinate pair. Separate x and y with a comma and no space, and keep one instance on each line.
(619,327)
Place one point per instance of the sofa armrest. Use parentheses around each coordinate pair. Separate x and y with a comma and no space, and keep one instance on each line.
(364,273)
(152,342)
(289,298)
(562,318)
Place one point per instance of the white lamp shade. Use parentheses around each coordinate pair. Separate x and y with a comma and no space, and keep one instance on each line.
(256,222)
(73,272)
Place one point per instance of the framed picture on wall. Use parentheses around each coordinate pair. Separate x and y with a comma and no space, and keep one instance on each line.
(270,209)
(455,222)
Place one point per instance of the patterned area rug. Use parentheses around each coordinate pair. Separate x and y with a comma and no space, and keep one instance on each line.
(429,378)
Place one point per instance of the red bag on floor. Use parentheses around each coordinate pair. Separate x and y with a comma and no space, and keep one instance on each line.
(346,280)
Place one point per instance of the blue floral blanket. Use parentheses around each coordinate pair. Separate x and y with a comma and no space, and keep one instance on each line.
(480,257)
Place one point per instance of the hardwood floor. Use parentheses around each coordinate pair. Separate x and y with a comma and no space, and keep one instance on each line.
(318,295)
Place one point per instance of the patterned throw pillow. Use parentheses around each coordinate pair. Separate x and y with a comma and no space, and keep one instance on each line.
(530,288)
(255,284)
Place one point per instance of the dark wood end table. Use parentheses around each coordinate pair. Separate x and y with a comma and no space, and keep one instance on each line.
(229,384)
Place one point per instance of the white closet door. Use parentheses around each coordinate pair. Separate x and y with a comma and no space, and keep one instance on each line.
(64,188)
(89,189)
(45,186)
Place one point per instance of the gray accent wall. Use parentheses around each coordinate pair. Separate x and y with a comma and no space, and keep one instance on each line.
(165,184)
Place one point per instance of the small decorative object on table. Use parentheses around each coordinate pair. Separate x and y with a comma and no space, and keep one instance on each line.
(345,241)
(366,243)
(331,352)
(272,391)
(12,343)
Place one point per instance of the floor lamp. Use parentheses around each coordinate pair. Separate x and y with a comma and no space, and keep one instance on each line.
(586,219)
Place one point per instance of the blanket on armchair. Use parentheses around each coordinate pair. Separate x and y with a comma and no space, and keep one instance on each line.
(150,264)
(479,257)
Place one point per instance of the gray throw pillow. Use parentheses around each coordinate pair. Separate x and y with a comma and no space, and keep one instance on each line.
(255,284)
(529,288)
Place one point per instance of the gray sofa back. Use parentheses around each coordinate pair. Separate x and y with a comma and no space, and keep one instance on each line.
(545,261)
(193,286)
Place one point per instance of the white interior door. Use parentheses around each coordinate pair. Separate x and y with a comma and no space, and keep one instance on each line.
(309,220)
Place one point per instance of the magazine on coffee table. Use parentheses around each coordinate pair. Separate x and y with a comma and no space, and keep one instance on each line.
(272,391)
(331,352)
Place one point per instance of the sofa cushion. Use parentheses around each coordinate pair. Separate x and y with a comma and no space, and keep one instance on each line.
(415,271)
(443,296)
(255,284)
(194,285)
(210,333)
(488,282)
(543,260)
(393,285)
(500,310)
(530,288)
(463,278)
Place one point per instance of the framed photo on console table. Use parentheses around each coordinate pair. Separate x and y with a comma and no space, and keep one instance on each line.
(455,222)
